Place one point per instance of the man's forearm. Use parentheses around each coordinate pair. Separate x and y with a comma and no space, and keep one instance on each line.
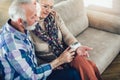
(57,62)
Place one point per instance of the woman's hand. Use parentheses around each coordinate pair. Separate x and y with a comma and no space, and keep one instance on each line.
(66,57)
(83,51)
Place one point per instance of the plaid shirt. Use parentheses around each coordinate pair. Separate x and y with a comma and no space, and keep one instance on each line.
(17,57)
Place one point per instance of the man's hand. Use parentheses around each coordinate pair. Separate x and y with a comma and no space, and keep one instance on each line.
(83,51)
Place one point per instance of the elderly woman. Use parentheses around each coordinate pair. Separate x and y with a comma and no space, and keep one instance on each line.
(51,38)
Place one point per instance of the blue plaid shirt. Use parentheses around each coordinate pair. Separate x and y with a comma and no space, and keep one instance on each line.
(17,57)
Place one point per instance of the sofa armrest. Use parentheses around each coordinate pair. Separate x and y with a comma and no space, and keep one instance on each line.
(104,21)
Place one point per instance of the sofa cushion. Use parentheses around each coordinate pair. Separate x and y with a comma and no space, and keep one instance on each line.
(73,14)
(105,46)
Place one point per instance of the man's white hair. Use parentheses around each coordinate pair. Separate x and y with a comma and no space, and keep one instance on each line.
(16,11)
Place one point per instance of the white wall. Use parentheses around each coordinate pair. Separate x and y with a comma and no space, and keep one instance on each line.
(116,4)
(107,6)
(103,3)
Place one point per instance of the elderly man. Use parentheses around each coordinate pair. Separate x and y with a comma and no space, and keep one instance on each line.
(17,58)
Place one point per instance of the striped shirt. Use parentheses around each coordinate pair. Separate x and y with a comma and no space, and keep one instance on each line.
(17,57)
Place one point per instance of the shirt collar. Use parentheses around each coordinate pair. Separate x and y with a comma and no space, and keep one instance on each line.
(10,28)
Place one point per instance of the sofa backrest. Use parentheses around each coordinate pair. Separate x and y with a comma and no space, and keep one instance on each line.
(73,14)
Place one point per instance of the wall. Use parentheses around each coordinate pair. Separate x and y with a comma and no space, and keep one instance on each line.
(107,6)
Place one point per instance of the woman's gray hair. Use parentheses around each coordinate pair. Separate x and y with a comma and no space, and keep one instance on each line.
(16,11)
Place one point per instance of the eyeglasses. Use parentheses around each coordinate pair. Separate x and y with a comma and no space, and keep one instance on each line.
(47,6)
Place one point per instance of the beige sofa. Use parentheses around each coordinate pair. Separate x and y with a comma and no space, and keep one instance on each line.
(98,30)
(92,28)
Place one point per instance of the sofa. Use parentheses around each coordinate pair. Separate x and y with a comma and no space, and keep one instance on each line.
(95,29)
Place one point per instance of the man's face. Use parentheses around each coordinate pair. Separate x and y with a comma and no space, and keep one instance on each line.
(31,16)
(46,7)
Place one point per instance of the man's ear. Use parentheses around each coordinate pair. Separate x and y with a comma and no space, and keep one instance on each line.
(20,22)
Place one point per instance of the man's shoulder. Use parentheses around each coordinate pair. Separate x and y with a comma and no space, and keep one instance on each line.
(6,34)
(0,31)
(6,37)
(8,41)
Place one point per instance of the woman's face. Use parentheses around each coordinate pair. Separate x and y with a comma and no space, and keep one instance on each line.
(46,7)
